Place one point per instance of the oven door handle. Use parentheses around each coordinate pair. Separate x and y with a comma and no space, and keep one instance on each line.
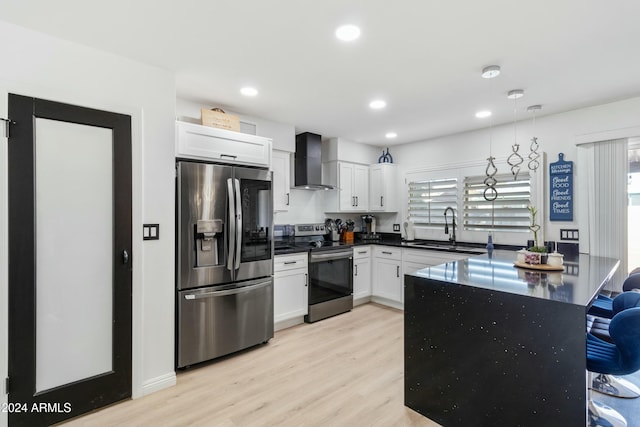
(325,257)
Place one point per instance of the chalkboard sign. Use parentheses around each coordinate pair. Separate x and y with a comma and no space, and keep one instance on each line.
(561,190)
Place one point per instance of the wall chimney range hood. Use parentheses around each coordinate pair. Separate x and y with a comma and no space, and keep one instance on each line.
(308,162)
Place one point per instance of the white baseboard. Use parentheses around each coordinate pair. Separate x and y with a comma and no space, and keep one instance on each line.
(361,300)
(159,383)
(284,324)
(388,302)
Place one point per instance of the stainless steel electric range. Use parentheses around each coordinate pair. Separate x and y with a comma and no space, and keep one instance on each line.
(330,271)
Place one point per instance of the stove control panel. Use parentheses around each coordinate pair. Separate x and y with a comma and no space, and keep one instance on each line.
(309,229)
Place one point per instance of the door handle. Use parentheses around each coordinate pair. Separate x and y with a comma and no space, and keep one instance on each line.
(397,271)
(353,200)
(306,278)
(356,200)
(356,266)
(232,224)
(125,257)
(381,201)
(238,224)
(288,199)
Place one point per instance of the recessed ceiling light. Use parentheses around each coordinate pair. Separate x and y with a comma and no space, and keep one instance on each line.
(515,94)
(483,114)
(249,91)
(534,108)
(377,104)
(348,33)
(391,135)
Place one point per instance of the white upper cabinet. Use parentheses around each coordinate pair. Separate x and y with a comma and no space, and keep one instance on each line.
(207,143)
(281,167)
(352,187)
(383,187)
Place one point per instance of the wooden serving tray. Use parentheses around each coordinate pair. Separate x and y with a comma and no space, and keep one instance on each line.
(542,267)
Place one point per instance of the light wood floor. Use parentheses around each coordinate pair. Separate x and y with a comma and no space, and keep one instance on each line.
(342,371)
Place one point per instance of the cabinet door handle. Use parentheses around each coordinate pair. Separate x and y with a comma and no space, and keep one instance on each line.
(387,253)
(362,252)
(356,266)
(231,156)
(290,262)
(287,199)
(356,200)
(305,278)
(381,201)
(397,271)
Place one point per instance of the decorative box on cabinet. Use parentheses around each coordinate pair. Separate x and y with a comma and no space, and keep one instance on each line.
(352,183)
(290,289)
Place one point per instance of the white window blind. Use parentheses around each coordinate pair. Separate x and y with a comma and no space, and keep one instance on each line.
(507,213)
(429,198)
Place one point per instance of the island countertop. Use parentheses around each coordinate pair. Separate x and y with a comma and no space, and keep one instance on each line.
(578,283)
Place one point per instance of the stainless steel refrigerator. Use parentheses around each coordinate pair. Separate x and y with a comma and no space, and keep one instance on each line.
(224,260)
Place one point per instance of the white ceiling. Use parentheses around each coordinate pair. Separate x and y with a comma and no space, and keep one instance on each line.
(423,56)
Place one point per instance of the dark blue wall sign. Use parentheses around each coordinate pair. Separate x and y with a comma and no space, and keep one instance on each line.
(561,190)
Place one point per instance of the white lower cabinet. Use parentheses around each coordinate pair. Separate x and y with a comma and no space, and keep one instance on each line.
(387,274)
(290,289)
(361,274)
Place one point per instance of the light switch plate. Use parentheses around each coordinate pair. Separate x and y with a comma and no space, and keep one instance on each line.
(396,227)
(569,234)
(151,232)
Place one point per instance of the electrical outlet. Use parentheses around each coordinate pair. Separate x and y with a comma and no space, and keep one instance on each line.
(396,227)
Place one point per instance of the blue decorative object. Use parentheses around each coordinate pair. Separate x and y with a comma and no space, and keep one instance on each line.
(385,158)
(561,190)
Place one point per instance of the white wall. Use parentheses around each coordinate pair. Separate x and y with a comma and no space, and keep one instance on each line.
(556,134)
(37,65)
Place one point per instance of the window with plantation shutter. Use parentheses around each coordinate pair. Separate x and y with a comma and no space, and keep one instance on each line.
(429,198)
(507,213)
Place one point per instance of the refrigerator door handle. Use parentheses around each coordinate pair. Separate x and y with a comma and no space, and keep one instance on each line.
(232,224)
(226,292)
(238,232)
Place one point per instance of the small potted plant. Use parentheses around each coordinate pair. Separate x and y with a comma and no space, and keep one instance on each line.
(536,254)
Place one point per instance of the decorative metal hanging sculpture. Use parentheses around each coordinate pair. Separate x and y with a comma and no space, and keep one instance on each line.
(515,160)
(533,155)
(490,192)
(534,163)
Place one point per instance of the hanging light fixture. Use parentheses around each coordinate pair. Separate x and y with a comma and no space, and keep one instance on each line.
(534,164)
(490,193)
(515,159)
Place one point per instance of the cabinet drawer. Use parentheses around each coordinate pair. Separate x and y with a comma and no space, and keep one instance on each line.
(290,262)
(388,252)
(360,252)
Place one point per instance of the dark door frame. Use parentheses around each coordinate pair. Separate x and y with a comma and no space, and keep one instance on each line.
(102,389)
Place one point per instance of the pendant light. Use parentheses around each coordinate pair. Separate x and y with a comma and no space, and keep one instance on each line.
(534,164)
(515,159)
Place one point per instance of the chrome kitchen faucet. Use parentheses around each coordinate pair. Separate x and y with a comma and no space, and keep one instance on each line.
(452,236)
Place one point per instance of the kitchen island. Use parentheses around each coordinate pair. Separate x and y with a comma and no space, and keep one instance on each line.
(488,343)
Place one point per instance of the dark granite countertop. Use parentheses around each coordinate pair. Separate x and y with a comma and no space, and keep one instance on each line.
(577,284)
